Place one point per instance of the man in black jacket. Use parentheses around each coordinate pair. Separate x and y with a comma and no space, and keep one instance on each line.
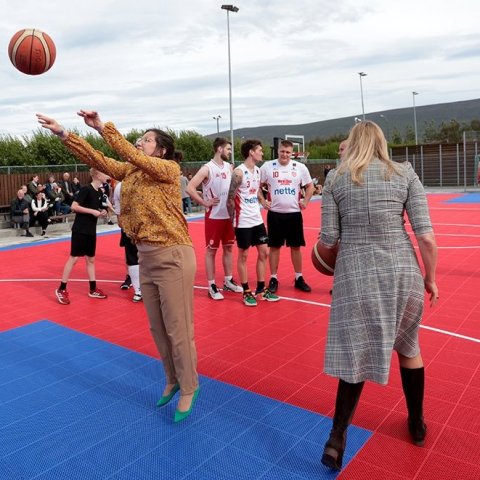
(19,211)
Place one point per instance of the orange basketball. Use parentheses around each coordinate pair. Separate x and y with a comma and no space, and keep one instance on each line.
(32,51)
(324,258)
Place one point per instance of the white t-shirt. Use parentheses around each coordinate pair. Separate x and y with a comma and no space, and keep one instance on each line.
(116,198)
(217,186)
(284,184)
(247,208)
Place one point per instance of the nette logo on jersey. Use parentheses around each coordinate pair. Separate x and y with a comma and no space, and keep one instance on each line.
(251,200)
(285,191)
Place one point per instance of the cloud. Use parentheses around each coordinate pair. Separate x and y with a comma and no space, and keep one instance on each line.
(165,63)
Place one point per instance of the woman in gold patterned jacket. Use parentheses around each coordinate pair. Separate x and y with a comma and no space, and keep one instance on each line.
(153,219)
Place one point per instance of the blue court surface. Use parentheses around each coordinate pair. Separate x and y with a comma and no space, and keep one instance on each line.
(76,407)
(465,198)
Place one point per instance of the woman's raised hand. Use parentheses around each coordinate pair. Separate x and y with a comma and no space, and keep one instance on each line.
(52,125)
(92,119)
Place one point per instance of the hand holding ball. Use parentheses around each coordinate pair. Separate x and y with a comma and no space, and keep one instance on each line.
(32,51)
(324,258)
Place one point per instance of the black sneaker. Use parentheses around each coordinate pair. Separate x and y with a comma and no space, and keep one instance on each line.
(127,283)
(28,234)
(273,285)
(301,285)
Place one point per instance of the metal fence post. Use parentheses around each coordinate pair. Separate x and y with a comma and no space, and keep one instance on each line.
(464,162)
(421,160)
(440,161)
(458,165)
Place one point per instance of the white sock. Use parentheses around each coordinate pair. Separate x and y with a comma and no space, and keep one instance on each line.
(297,275)
(228,278)
(211,282)
(273,275)
(134,272)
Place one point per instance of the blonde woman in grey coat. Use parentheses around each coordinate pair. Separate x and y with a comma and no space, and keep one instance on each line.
(378,292)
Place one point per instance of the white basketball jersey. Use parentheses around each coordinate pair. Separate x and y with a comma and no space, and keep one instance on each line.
(217,186)
(247,208)
(284,184)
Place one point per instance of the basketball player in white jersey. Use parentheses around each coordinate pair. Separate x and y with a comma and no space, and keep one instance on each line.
(215,177)
(250,230)
(284,179)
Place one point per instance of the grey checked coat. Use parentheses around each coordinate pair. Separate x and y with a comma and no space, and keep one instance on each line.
(378,291)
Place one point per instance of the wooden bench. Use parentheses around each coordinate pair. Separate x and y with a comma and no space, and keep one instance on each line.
(63,218)
(5,211)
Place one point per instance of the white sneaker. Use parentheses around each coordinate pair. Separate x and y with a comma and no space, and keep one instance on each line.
(214,293)
(137,297)
(232,286)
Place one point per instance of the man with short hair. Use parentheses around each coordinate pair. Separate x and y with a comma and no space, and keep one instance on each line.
(67,188)
(20,212)
(88,207)
(250,231)
(215,177)
(284,179)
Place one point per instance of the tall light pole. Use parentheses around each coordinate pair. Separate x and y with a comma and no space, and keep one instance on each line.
(415,117)
(217,118)
(230,8)
(362,74)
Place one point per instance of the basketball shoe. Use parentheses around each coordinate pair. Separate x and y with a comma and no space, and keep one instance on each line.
(300,284)
(62,296)
(213,292)
(267,295)
(232,286)
(97,293)
(249,299)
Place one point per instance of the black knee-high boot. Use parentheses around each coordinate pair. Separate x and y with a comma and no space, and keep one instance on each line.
(348,395)
(413,383)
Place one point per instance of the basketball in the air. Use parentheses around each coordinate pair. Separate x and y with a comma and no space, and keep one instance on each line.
(324,258)
(32,51)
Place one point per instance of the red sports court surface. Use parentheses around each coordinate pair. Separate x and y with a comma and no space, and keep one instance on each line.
(277,349)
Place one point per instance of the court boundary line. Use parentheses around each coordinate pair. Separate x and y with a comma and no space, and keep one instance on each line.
(198,287)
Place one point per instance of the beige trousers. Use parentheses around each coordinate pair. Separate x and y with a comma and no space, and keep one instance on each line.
(166,278)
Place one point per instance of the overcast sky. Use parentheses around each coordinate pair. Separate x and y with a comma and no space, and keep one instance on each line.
(164,63)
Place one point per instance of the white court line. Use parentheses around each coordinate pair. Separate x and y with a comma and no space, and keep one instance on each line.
(446,332)
(298,300)
(457,248)
(456,235)
(456,225)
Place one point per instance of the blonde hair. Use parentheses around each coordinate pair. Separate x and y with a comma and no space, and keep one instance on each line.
(365,143)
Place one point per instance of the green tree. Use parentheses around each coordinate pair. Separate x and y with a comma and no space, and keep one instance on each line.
(47,149)
(430,132)
(13,152)
(396,138)
(451,132)
(409,137)
(195,147)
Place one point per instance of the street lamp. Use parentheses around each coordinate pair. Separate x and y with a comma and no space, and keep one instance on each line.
(362,74)
(415,117)
(230,8)
(217,118)
(388,125)
(357,120)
